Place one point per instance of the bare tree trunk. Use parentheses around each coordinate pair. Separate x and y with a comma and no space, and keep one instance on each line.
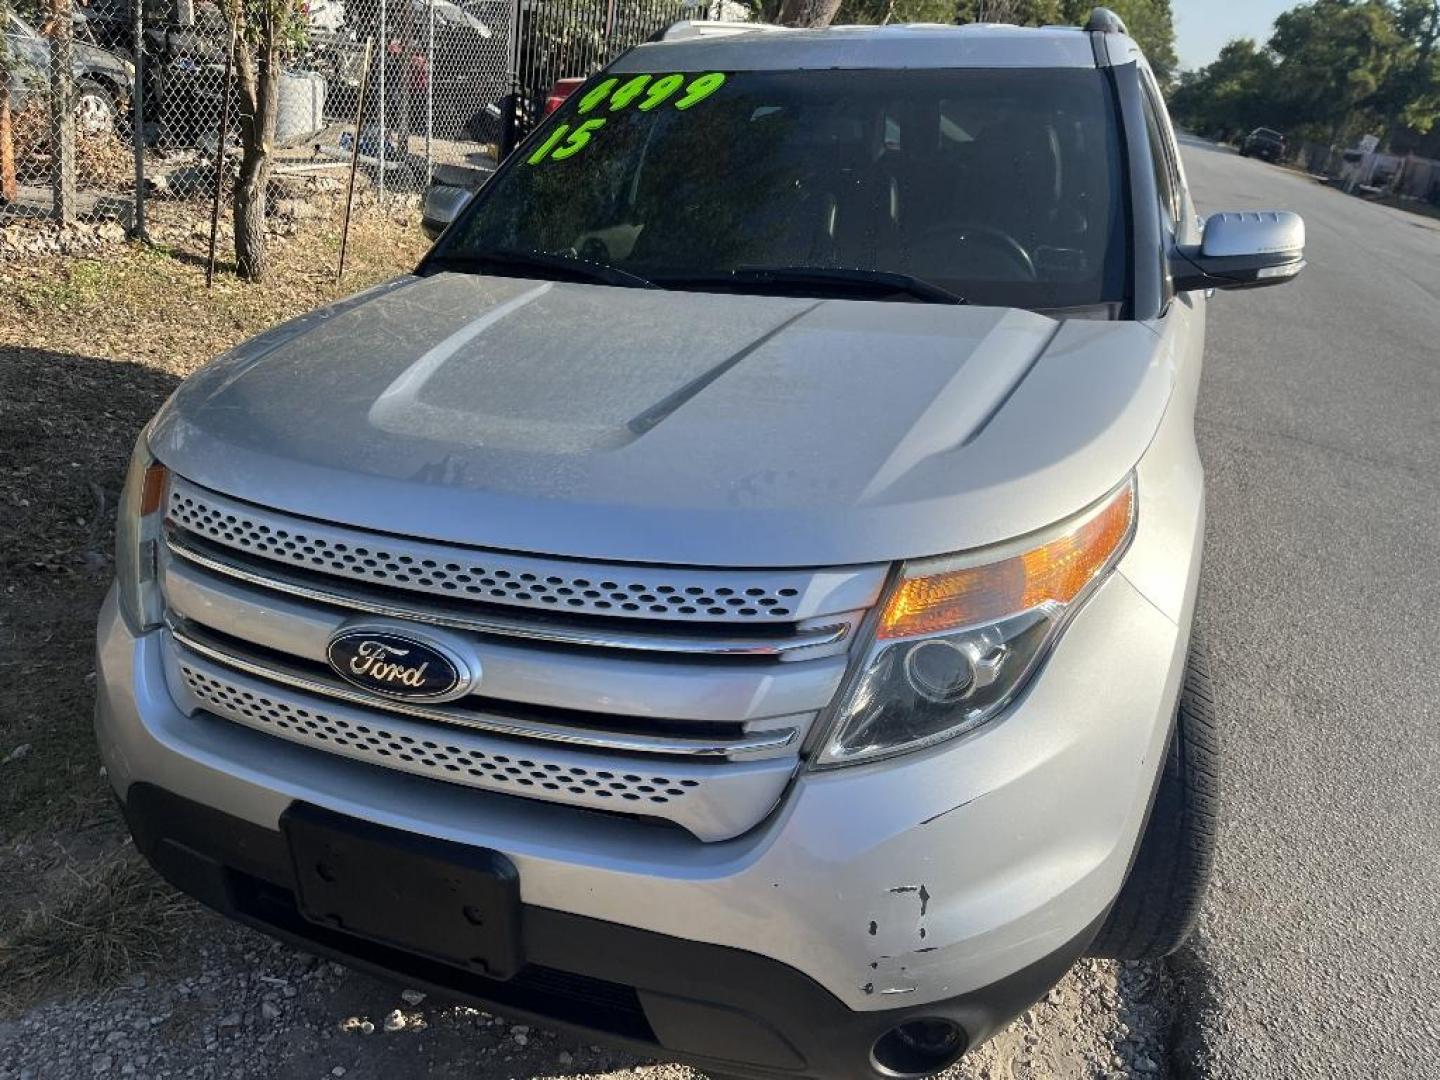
(8,187)
(807,12)
(61,32)
(258,92)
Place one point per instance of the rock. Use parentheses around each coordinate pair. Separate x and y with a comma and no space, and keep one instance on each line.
(230,1020)
(269,1010)
(338,1070)
(411,997)
(395,1021)
(18,754)
(300,210)
(566,1059)
(102,1063)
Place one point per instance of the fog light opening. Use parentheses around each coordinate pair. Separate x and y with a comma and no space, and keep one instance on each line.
(918,1047)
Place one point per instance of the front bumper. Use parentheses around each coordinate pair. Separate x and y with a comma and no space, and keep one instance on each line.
(958,882)
(707,1004)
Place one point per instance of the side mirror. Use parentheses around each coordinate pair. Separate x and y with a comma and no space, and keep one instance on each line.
(1245,250)
(443,203)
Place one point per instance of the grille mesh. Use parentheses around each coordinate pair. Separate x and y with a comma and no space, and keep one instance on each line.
(441,757)
(492,578)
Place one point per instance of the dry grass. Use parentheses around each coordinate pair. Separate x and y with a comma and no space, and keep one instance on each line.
(100,160)
(113,918)
(89,349)
(151,306)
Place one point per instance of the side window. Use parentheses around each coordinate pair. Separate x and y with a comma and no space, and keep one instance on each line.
(1162,149)
(1160,159)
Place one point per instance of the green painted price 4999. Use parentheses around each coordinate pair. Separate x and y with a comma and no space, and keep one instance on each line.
(644,92)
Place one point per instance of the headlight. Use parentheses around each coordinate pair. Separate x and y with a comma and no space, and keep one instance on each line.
(959,636)
(137,539)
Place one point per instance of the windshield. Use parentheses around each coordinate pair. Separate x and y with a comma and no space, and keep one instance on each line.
(998,186)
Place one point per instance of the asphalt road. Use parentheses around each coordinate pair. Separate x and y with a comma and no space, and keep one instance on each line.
(1320,430)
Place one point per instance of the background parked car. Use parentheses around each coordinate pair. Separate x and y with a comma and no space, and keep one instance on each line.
(103,81)
(1264,143)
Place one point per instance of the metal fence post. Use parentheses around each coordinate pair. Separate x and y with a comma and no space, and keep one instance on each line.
(509,118)
(221,140)
(429,92)
(137,132)
(62,111)
(384,53)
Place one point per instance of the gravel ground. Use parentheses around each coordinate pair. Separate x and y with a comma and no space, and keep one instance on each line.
(104,971)
(240,1005)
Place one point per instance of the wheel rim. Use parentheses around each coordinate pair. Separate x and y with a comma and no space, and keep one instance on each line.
(94,115)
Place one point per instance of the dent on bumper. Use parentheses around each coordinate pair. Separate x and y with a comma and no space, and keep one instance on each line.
(909,881)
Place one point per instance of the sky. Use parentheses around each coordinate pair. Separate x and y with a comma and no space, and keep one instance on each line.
(1203,26)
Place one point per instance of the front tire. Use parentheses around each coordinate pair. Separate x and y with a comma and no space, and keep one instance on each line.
(1159,903)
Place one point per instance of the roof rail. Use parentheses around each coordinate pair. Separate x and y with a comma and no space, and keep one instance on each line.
(703,28)
(1105,21)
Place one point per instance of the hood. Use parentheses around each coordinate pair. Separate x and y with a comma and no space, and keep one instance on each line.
(655,426)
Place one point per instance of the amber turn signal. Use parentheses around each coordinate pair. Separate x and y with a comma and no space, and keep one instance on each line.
(1057,570)
(152,490)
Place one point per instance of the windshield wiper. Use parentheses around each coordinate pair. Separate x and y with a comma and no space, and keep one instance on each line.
(527,263)
(883,282)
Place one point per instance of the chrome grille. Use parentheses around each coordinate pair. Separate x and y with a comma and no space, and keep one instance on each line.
(301,724)
(614,590)
(713,802)
(676,693)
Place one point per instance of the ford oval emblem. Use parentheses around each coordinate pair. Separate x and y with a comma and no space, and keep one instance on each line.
(398,665)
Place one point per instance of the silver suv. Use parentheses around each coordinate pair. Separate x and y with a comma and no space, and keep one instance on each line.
(734,598)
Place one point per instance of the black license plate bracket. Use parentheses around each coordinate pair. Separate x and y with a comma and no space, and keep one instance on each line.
(436,898)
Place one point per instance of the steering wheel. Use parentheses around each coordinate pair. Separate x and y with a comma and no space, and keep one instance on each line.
(997,239)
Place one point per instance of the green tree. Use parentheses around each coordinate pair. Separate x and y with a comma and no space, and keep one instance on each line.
(1234,95)
(1410,94)
(1333,69)
(1334,57)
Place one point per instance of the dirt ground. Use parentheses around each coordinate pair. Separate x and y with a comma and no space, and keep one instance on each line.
(103,969)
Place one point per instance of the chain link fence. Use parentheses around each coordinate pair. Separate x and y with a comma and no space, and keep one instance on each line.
(450,86)
(100,171)
(434,89)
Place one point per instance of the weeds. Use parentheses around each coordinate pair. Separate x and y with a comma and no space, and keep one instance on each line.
(110,920)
